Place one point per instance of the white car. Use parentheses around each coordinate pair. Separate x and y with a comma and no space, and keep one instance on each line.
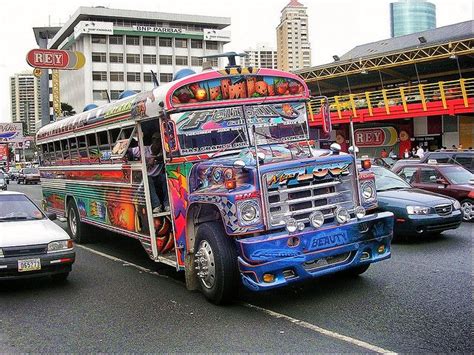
(30,243)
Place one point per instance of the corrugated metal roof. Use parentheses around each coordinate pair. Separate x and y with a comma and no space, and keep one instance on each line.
(438,35)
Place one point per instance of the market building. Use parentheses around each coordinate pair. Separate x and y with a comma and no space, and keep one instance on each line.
(123,47)
(400,92)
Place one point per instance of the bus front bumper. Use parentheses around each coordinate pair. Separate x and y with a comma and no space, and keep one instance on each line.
(275,260)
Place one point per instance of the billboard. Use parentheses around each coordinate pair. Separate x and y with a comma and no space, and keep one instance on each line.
(11,132)
(3,152)
(91,27)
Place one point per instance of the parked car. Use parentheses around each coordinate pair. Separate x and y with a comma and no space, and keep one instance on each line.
(445,179)
(30,243)
(384,162)
(3,181)
(13,173)
(28,176)
(402,162)
(464,158)
(416,211)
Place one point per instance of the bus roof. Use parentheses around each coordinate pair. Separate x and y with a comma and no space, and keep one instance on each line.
(209,89)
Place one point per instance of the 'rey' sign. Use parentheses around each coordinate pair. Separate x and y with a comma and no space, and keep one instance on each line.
(55,59)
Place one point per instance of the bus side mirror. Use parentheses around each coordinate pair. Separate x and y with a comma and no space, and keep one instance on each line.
(239,164)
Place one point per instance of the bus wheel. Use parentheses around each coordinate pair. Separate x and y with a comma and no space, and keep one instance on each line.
(76,228)
(356,271)
(216,263)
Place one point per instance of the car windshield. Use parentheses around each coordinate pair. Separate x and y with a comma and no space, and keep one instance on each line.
(386,180)
(30,171)
(457,175)
(18,208)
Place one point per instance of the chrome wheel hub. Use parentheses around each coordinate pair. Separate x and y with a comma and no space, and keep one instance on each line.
(73,222)
(205,264)
(467,210)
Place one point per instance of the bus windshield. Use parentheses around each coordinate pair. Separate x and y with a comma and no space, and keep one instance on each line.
(226,128)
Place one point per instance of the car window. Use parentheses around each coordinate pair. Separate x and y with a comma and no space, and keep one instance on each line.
(17,208)
(386,180)
(408,174)
(466,161)
(30,171)
(429,176)
(457,175)
(439,157)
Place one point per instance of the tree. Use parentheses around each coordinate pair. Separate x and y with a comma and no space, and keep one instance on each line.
(67,109)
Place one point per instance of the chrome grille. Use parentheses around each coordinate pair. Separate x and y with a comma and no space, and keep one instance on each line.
(298,201)
(443,210)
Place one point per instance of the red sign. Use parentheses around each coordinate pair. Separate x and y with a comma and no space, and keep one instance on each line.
(48,58)
(3,152)
(374,137)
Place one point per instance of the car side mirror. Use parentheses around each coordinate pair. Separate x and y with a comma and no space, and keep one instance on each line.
(52,216)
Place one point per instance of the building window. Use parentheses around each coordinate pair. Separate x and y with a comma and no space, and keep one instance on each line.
(181,60)
(196,61)
(99,94)
(450,123)
(214,62)
(133,40)
(116,76)
(211,45)
(147,77)
(149,59)
(99,57)
(166,77)
(133,76)
(99,75)
(116,58)
(149,41)
(165,42)
(180,43)
(196,43)
(133,58)
(114,94)
(99,39)
(166,60)
(115,39)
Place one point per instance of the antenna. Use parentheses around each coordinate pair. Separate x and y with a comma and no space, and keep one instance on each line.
(230,56)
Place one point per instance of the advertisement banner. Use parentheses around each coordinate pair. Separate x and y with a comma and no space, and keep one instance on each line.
(375,137)
(11,132)
(216,35)
(91,27)
(3,152)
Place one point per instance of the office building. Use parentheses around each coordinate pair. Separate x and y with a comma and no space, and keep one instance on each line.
(122,47)
(25,101)
(410,16)
(263,56)
(293,47)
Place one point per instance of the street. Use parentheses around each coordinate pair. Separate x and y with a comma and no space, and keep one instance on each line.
(117,300)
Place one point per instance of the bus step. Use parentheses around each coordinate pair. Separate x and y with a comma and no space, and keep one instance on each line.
(161,214)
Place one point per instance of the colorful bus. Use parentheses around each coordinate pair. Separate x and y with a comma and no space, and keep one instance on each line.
(251,200)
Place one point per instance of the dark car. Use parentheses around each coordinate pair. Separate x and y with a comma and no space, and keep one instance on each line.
(464,158)
(28,176)
(445,179)
(416,211)
(3,181)
(402,162)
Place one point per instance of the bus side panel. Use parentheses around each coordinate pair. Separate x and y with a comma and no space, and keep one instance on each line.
(178,184)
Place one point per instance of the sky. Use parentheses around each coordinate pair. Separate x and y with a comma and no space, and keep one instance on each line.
(335,26)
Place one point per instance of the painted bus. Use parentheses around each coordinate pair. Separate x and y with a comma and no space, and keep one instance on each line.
(252,201)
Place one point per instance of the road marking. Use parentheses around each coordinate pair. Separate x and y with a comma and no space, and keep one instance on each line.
(320,330)
(273,314)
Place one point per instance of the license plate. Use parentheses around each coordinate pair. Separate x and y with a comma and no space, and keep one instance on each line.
(29,265)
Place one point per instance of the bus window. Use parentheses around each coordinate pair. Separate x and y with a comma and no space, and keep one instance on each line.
(65,149)
(122,143)
(46,155)
(114,134)
(73,149)
(104,146)
(57,148)
(92,146)
(81,141)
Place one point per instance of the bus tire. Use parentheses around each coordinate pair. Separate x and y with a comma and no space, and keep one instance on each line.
(216,263)
(357,270)
(76,229)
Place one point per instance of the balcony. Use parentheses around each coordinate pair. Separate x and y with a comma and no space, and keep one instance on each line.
(441,98)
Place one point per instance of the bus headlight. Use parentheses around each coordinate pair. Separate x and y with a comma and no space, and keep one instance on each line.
(291,225)
(248,212)
(316,219)
(359,212)
(342,215)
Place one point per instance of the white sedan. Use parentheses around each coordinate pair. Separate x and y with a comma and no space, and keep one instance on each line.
(30,243)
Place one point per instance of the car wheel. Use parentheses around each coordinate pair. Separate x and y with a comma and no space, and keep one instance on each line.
(216,263)
(467,208)
(76,229)
(62,277)
(356,271)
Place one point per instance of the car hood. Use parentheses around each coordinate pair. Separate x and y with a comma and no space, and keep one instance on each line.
(414,196)
(20,233)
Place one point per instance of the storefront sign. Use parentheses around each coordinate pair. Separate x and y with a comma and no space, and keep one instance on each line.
(55,59)
(375,137)
(92,27)
(216,35)
(158,29)
(11,132)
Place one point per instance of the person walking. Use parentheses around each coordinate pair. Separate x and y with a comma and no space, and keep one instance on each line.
(420,152)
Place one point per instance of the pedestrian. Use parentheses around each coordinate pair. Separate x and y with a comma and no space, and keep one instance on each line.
(453,147)
(420,152)
(406,154)
(413,153)
(384,153)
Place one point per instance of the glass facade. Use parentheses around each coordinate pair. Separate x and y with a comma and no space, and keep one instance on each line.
(410,16)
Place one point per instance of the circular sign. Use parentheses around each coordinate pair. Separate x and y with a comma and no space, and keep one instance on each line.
(404,136)
(37,72)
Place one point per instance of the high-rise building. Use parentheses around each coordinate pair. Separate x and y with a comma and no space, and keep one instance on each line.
(25,101)
(293,47)
(122,47)
(263,56)
(410,16)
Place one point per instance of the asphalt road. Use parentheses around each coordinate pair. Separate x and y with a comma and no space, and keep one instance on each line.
(420,301)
